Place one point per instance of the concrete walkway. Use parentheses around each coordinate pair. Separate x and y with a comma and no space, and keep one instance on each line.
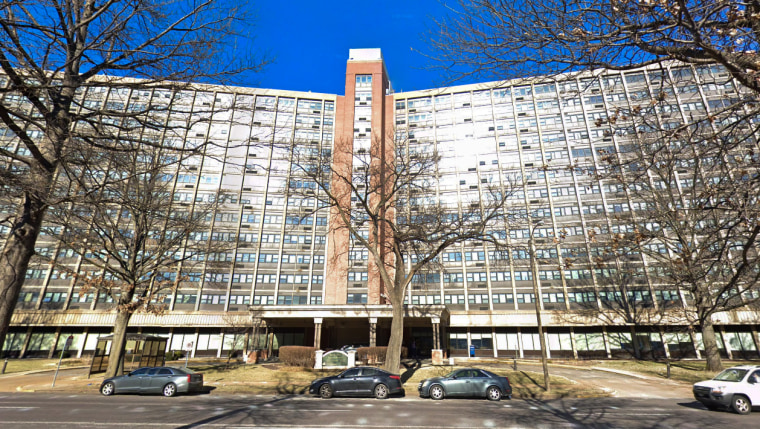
(622,384)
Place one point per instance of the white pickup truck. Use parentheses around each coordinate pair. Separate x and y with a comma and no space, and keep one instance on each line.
(737,388)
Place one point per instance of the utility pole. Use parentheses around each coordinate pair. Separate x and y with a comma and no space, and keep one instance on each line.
(539,303)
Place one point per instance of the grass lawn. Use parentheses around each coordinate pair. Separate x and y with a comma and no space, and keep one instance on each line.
(689,371)
(275,378)
(23,365)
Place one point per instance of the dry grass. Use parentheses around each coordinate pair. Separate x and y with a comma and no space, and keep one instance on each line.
(260,379)
(690,371)
(281,379)
(525,384)
(24,365)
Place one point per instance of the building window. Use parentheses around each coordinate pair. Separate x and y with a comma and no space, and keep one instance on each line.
(364,81)
(356,298)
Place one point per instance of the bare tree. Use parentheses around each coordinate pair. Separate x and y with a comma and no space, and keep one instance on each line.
(508,39)
(135,243)
(691,170)
(65,86)
(384,204)
(700,221)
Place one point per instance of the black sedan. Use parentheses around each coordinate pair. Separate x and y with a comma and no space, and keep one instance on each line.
(162,379)
(359,381)
(468,382)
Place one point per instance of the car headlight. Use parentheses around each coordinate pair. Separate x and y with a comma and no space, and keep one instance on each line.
(718,390)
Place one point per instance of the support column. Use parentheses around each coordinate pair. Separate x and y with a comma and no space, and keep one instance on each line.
(520,343)
(469,342)
(694,342)
(221,344)
(493,342)
(83,342)
(756,339)
(436,323)
(373,331)
(318,333)
(721,330)
(195,343)
(664,343)
(572,343)
(436,352)
(606,340)
(170,340)
(51,353)
(28,337)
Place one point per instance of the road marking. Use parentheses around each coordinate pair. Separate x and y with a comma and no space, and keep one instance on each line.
(19,407)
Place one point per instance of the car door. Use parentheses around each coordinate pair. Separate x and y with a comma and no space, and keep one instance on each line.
(365,382)
(753,387)
(147,379)
(457,384)
(133,381)
(345,384)
(477,383)
(159,379)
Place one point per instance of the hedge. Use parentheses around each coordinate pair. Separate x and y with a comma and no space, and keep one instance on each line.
(302,356)
(375,354)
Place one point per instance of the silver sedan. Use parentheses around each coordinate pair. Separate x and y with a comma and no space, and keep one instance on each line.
(162,379)
(472,382)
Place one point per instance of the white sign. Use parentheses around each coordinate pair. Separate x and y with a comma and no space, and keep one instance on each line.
(189,346)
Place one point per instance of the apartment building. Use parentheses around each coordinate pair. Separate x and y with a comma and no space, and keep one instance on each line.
(296,276)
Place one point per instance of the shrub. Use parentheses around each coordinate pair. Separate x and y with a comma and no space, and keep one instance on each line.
(173,355)
(374,355)
(302,356)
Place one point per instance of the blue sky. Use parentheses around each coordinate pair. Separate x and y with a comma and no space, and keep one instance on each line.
(310,41)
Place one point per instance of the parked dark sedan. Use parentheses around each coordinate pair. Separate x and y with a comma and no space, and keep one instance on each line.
(162,379)
(359,381)
(470,382)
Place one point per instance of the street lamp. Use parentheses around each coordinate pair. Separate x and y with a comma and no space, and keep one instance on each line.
(539,299)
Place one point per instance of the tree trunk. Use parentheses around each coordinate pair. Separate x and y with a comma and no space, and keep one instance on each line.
(118,344)
(14,261)
(635,343)
(712,354)
(393,353)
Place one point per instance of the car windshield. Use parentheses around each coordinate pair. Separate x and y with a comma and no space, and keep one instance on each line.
(731,374)
(453,373)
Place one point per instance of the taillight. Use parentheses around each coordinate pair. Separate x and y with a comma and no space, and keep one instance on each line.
(507,378)
(395,377)
(189,378)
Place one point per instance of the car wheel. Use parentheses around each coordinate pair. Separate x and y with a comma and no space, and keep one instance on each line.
(381,391)
(170,389)
(325,391)
(741,404)
(108,389)
(436,392)
(493,393)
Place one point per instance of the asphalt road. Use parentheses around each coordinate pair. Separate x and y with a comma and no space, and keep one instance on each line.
(246,411)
